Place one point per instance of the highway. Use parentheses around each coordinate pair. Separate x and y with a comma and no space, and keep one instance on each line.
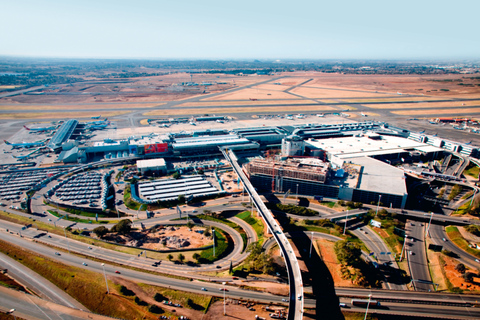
(386,261)
(417,256)
(295,311)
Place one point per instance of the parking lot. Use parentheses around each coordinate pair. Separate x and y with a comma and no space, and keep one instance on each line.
(82,189)
(13,185)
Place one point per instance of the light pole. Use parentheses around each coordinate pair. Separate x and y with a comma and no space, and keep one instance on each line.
(368,305)
(105,275)
(403,247)
(66,239)
(378,204)
(430,222)
(296,197)
(311,244)
(345,227)
(11,311)
(473,197)
(213,235)
(224,307)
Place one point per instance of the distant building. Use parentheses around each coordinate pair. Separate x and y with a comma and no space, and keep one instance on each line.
(293,146)
(156,165)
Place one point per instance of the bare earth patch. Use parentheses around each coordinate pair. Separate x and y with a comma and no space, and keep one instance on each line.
(462,111)
(326,252)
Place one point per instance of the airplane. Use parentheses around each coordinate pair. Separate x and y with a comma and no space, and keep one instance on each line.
(193,123)
(364,115)
(220,121)
(97,122)
(98,126)
(253,99)
(97,117)
(436,134)
(44,129)
(321,115)
(468,142)
(289,118)
(422,132)
(399,93)
(23,145)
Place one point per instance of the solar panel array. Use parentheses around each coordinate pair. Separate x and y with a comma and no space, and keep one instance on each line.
(170,189)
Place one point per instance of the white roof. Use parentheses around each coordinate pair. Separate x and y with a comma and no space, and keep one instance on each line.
(159,162)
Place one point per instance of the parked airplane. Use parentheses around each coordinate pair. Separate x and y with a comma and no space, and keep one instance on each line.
(321,115)
(363,114)
(468,143)
(25,145)
(220,121)
(44,129)
(97,117)
(98,126)
(192,123)
(422,132)
(98,122)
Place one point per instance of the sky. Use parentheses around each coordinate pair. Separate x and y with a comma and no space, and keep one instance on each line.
(261,29)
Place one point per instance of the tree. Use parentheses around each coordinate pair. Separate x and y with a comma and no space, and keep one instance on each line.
(123,227)
(181,198)
(196,256)
(176,175)
(158,297)
(460,268)
(169,257)
(100,231)
(348,253)
(190,225)
(207,232)
(181,257)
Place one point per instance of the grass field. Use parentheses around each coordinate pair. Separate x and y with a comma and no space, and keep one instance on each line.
(57,115)
(256,224)
(194,111)
(457,238)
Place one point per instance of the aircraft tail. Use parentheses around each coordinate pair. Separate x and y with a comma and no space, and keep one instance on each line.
(6,142)
(26,128)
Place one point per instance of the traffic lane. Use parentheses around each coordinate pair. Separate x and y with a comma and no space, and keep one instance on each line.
(417,256)
(37,283)
(377,246)
(31,307)
(437,233)
(127,259)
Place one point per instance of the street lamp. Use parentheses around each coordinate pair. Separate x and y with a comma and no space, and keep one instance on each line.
(311,244)
(105,275)
(11,311)
(378,204)
(429,223)
(296,197)
(66,239)
(345,227)
(213,235)
(224,307)
(368,305)
(403,247)
(473,197)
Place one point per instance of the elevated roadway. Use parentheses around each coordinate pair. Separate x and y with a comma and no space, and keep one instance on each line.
(295,311)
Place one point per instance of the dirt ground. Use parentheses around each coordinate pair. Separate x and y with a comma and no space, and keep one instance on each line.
(461,111)
(339,93)
(175,235)
(325,250)
(230,182)
(254,93)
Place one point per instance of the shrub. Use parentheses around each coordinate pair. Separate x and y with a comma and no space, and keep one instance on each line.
(126,292)
(155,309)
(158,297)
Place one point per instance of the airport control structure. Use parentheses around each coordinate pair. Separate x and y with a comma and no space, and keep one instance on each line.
(353,161)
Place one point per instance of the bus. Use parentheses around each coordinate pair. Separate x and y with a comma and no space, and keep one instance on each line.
(364,303)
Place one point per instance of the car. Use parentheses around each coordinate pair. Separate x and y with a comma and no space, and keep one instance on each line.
(476,260)
(342,305)
(410,252)
(84,263)
(49,219)
(57,253)
(116,271)
(284,300)
(299,297)
(235,278)
(203,289)
(218,267)
(444,239)
(223,289)
(90,248)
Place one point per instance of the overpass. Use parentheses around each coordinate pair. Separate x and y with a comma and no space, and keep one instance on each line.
(295,311)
